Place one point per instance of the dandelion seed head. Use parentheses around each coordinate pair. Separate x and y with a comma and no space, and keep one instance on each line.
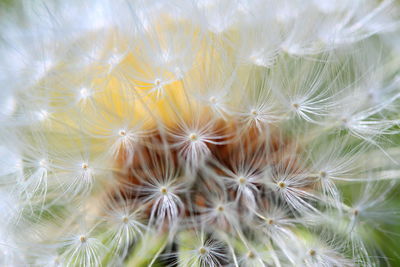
(220,208)
(213,100)
(202,251)
(296,106)
(323,174)
(157,82)
(122,132)
(250,255)
(125,219)
(282,185)
(193,137)
(43,163)
(198,133)
(242,180)
(82,239)
(164,190)
(84,93)
(84,166)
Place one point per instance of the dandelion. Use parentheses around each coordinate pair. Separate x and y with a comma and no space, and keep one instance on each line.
(125,223)
(199,133)
(219,212)
(292,186)
(201,251)
(82,250)
(318,253)
(192,141)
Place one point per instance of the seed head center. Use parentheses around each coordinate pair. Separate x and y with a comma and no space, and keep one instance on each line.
(193,137)
(281,184)
(83,239)
(242,180)
(213,100)
(43,163)
(164,190)
(250,255)
(157,82)
(202,250)
(84,92)
(220,208)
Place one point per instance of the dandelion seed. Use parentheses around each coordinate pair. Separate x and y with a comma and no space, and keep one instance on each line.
(202,252)
(84,93)
(193,141)
(162,188)
(83,250)
(291,188)
(220,213)
(126,224)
